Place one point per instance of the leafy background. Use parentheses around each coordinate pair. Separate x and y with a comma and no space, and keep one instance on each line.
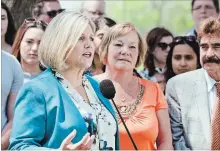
(174,15)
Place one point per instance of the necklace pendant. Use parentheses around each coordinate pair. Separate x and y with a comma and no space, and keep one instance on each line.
(123,108)
(123,100)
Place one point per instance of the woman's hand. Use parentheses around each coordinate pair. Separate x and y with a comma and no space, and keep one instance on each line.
(84,144)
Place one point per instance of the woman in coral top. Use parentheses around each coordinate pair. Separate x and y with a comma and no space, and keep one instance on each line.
(141,102)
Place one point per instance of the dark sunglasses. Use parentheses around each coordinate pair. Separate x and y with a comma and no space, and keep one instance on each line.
(180,39)
(163,45)
(53,13)
(34,21)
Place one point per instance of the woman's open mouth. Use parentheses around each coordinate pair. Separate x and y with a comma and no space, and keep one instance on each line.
(87,54)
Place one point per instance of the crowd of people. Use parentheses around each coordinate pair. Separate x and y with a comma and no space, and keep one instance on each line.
(52,67)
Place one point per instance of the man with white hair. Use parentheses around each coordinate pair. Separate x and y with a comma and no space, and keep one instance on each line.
(95,9)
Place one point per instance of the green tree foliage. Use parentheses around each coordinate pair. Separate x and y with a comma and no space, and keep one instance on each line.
(147,14)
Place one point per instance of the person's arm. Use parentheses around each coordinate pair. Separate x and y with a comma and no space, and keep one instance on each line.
(7,129)
(179,142)
(16,85)
(164,138)
(9,112)
(5,137)
(29,120)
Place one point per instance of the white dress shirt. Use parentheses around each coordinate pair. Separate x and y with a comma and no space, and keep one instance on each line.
(211,91)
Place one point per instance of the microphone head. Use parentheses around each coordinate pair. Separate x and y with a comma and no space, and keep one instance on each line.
(107,89)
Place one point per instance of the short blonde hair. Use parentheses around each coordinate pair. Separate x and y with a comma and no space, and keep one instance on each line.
(60,38)
(210,26)
(117,31)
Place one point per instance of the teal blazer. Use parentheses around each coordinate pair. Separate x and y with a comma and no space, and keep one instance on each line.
(45,115)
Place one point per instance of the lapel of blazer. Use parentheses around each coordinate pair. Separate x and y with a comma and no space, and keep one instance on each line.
(63,95)
(202,102)
(107,104)
(105,101)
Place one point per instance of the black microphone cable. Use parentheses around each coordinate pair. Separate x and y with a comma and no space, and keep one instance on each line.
(108,91)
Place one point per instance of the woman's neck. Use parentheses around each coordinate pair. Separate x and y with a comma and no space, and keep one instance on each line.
(159,64)
(97,67)
(3,42)
(73,76)
(97,62)
(4,46)
(31,69)
(119,76)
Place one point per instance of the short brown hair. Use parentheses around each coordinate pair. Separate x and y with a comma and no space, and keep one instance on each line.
(210,26)
(38,7)
(117,31)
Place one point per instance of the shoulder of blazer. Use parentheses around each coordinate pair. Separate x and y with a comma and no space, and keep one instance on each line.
(93,82)
(95,86)
(45,81)
(188,77)
(45,74)
(187,80)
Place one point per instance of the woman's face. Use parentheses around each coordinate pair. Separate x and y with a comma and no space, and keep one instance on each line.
(163,47)
(184,59)
(4,24)
(99,35)
(29,45)
(83,52)
(123,52)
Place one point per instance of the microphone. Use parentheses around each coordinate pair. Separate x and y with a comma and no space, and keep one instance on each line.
(108,91)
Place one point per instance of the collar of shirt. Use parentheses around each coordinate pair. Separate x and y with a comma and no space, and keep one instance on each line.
(160,70)
(191,32)
(210,82)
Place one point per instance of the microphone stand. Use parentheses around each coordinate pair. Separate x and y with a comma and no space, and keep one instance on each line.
(125,126)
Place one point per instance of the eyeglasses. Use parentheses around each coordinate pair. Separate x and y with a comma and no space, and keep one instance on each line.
(53,13)
(35,21)
(163,45)
(180,39)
